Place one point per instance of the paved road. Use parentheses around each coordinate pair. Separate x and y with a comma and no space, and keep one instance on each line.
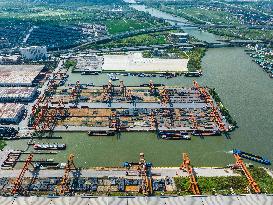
(120,105)
(160,172)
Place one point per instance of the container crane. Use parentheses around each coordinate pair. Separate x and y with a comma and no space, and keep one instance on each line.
(63,187)
(19,179)
(144,171)
(165,98)
(240,163)
(122,88)
(186,166)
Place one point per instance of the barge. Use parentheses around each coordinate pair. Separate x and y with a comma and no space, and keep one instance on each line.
(193,74)
(206,133)
(174,135)
(49,146)
(252,157)
(101,133)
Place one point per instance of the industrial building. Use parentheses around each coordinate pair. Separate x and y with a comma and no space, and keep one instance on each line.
(135,62)
(10,59)
(17,94)
(11,113)
(179,37)
(19,75)
(88,63)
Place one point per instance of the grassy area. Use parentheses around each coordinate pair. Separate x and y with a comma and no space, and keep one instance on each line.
(223,109)
(196,56)
(2,144)
(213,185)
(168,53)
(244,33)
(263,179)
(157,38)
(70,64)
(123,25)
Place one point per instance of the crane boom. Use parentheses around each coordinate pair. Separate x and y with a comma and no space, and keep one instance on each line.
(249,177)
(19,179)
(63,186)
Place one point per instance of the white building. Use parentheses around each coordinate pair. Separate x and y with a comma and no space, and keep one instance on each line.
(34,53)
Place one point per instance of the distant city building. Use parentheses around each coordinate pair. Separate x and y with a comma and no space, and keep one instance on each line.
(11,113)
(179,37)
(34,53)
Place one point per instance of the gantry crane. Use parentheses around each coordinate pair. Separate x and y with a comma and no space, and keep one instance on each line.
(165,98)
(122,88)
(144,171)
(108,92)
(152,88)
(63,187)
(19,179)
(240,163)
(186,165)
(214,114)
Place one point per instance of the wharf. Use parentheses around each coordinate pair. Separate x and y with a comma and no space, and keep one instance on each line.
(115,172)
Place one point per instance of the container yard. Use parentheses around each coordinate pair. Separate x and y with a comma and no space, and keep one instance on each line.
(19,75)
(170,111)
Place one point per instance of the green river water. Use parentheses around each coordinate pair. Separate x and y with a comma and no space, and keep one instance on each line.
(244,89)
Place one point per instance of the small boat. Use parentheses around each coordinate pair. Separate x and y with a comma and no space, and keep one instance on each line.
(113,77)
(101,133)
(90,73)
(252,157)
(49,146)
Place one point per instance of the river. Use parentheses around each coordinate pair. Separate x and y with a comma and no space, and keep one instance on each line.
(244,89)
(179,21)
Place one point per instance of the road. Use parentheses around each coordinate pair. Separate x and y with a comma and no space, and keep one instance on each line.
(160,172)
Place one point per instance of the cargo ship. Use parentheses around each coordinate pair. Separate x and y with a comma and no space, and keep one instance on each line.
(174,135)
(101,133)
(252,157)
(49,146)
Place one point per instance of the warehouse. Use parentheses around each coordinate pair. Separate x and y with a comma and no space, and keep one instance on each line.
(19,75)
(135,62)
(11,113)
(17,94)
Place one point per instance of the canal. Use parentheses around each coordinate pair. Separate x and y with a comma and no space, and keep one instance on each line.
(245,90)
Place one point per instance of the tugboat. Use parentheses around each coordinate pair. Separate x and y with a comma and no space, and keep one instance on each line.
(252,157)
(101,133)
(49,146)
(113,77)
(174,135)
